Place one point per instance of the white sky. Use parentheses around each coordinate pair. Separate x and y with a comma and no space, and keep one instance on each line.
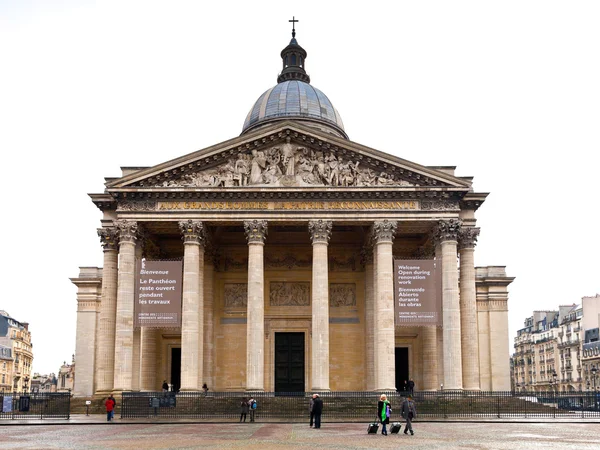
(508,91)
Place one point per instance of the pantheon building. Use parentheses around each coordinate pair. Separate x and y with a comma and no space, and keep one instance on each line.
(287,235)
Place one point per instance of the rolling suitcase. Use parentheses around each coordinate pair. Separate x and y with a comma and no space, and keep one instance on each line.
(372,428)
(395,427)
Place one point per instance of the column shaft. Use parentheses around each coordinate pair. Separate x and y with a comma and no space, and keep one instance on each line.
(255,329)
(123,369)
(430,366)
(320,319)
(369,320)
(209,344)
(384,307)
(148,360)
(191,336)
(105,350)
(451,317)
(137,355)
(468,321)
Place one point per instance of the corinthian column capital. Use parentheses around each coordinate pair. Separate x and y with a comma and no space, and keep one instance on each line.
(467,237)
(320,231)
(256,231)
(109,238)
(192,231)
(384,231)
(127,230)
(447,230)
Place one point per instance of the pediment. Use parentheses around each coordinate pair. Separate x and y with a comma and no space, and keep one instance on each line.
(286,155)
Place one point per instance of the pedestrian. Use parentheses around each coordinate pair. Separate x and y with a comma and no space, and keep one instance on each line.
(384,410)
(252,405)
(411,387)
(409,412)
(110,404)
(311,403)
(165,386)
(317,410)
(244,409)
(405,386)
(205,389)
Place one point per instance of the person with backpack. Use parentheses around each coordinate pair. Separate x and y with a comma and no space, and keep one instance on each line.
(253,405)
(384,410)
(244,407)
(409,412)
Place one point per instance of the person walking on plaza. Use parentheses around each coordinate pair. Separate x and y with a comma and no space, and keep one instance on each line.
(384,410)
(244,407)
(165,386)
(317,410)
(252,406)
(409,412)
(311,403)
(110,404)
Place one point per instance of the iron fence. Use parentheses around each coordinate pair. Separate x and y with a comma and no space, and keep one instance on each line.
(360,406)
(35,405)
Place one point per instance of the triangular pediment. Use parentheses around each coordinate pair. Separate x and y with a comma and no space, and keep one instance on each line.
(287,155)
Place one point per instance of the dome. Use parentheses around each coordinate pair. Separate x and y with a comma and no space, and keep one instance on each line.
(293,99)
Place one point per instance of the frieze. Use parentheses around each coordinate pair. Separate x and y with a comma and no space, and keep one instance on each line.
(337,264)
(235,295)
(136,206)
(342,294)
(287,165)
(289,294)
(288,261)
(439,205)
(359,205)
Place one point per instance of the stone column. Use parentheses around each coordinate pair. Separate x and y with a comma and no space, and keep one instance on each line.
(123,369)
(430,367)
(105,351)
(256,232)
(148,362)
(209,342)
(320,232)
(137,363)
(192,311)
(468,309)
(447,234)
(384,342)
(367,256)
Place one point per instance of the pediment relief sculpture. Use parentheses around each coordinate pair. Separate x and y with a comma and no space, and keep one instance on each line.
(287,165)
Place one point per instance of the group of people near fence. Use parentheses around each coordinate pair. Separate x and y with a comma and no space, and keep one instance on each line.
(408,411)
(248,405)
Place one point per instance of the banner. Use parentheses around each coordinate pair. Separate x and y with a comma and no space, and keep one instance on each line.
(418,296)
(157,301)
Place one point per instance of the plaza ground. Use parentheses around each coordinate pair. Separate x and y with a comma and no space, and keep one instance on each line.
(430,435)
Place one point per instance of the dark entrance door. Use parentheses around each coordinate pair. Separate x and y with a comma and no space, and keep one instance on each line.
(176,369)
(401,367)
(289,362)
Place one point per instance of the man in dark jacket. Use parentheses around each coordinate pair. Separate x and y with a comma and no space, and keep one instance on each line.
(409,412)
(317,410)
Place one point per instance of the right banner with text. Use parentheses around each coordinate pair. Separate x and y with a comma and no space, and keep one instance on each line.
(417,292)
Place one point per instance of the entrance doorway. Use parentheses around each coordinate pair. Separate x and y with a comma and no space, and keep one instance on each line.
(289,362)
(176,369)
(402,372)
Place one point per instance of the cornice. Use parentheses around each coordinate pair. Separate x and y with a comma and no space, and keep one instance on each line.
(473,200)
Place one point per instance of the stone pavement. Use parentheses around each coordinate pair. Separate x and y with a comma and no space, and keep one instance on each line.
(428,435)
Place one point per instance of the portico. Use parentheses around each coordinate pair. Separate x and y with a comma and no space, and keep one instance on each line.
(287,235)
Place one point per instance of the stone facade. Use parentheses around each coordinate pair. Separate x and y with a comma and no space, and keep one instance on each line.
(16,354)
(288,234)
(559,350)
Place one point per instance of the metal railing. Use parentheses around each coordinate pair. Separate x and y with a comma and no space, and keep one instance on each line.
(35,405)
(360,406)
